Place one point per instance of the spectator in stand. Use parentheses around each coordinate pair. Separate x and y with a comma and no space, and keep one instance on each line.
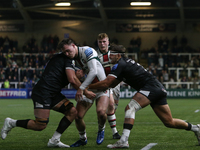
(35,78)
(9,72)
(27,73)
(1,65)
(40,74)
(6,84)
(166,43)
(26,48)
(6,44)
(133,41)
(195,82)
(161,61)
(160,43)
(138,41)
(50,42)
(2,76)
(165,76)
(184,79)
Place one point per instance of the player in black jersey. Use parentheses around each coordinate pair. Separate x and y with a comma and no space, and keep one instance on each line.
(46,95)
(149,91)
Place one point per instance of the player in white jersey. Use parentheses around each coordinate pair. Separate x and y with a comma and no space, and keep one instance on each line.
(87,59)
(103,54)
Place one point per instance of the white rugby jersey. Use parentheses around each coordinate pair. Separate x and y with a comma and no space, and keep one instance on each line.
(105,61)
(88,61)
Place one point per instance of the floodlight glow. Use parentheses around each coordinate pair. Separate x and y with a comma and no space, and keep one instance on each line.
(140,3)
(63,4)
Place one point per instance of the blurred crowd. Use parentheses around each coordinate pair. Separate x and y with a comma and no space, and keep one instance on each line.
(26,65)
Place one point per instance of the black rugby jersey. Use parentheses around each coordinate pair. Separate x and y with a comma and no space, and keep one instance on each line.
(54,77)
(131,72)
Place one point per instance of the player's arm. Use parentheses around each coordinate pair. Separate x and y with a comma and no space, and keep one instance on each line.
(109,82)
(74,81)
(90,77)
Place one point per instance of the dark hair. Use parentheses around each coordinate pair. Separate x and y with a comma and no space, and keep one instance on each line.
(67,41)
(117,48)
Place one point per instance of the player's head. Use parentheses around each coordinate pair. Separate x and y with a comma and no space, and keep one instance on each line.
(68,47)
(103,42)
(116,52)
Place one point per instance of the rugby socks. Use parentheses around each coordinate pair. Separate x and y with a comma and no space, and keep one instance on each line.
(82,135)
(126,132)
(63,125)
(112,121)
(22,123)
(101,128)
(192,127)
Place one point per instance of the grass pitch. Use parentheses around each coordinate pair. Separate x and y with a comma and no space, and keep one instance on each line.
(147,128)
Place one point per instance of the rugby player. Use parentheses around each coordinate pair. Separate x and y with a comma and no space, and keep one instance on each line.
(149,92)
(86,59)
(103,54)
(46,95)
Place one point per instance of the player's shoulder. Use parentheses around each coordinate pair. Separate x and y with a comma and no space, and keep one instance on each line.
(88,51)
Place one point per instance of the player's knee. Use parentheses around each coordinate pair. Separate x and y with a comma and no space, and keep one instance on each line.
(41,123)
(73,112)
(67,108)
(169,124)
(101,113)
(131,109)
(111,108)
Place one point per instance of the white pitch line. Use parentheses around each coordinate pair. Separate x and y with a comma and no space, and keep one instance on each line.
(196,110)
(149,146)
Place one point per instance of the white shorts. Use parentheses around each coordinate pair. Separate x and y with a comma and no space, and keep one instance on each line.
(116,92)
(98,94)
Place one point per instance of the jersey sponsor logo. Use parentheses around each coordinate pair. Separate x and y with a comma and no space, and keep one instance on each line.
(88,52)
(114,67)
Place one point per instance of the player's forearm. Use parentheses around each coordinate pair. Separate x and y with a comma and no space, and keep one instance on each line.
(99,86)
(91,75)
(76,83)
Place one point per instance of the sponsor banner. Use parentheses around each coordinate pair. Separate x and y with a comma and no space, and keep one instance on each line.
(171,93)
(11,27)
(156,27)
(69,93)
(13,93)
(124,93)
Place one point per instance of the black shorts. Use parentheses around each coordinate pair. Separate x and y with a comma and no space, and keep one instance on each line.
(155,92)
(46,100)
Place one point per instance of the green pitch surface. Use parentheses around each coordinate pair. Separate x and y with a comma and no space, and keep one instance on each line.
(147,129)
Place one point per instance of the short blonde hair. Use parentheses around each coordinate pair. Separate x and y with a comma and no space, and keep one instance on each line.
(102,36)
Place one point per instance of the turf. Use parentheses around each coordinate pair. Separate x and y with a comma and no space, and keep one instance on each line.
(147,129)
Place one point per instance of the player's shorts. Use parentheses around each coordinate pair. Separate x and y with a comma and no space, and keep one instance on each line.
(116,92)
(98,94)
(46,101)
(155,92)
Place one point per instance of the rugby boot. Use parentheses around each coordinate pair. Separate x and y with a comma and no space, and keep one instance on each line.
(116,136)
(79,143)
(56,143)
(119,144)
(6,128)
(197,133)
(100,137)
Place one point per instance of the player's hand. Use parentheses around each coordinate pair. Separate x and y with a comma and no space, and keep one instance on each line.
(89,94)
(79,95)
